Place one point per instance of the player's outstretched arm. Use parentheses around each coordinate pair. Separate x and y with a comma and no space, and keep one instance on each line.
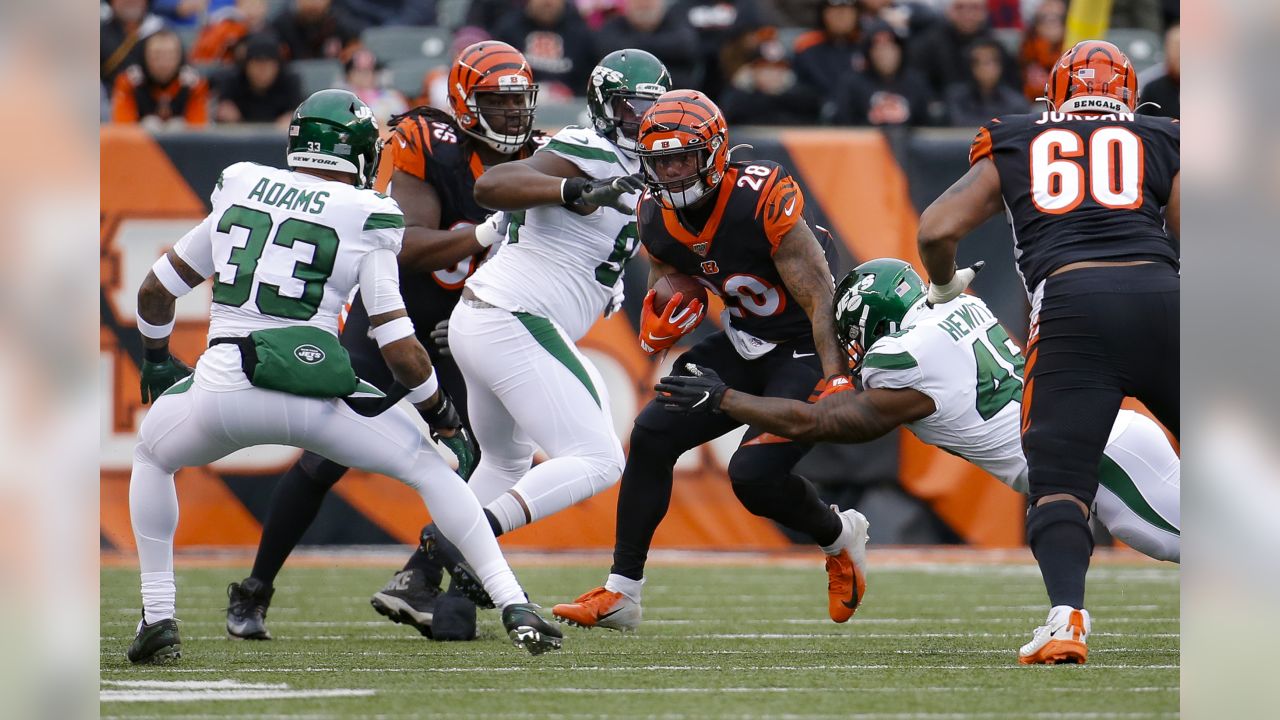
(971,201)
(1173,210)
(847,417)
(803,267)
(427,247)
(547,179)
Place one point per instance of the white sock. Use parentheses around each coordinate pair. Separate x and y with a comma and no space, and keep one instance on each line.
(843,541)
(625,585)
(509,511)
(551,487)
(458,515)
(153,512)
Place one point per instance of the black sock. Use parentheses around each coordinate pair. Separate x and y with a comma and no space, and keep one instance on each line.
(1062,542)
(294,506)
(432,571)
(643,498)
(793,503)
(494,525)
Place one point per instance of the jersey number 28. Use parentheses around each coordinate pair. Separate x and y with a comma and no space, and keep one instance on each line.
(245,259)
(1115,169)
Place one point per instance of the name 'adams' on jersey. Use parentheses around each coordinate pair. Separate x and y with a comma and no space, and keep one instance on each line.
(958,354)
(757,204)
(556,263)
(1083,187)
(284,248)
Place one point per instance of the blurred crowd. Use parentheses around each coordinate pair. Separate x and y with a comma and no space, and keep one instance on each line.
(766,62)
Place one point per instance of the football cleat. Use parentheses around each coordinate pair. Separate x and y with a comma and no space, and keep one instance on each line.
(407,599)
(439,549)
(847,569)
(155,643)
(529,630)
(247,604)
(1062,639)
(600,608)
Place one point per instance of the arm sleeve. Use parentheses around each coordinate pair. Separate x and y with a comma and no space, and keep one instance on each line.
(196,248)
(380,282)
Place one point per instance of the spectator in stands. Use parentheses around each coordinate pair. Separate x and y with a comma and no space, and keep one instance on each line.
(555,41)
(1004,14)
(648,25)
(435,83)
(1164,90)
(162,90)
(486,13)
(908,19)
(260,89)
(598,12)
(985,94)
(188,13)
(730,33)
(218,40)
(1042,46)
(942,55)
(315,29)
(1145,14)
(888,92)
(765,92)
(125,24)
(364,77)
(825,55)
(372,13)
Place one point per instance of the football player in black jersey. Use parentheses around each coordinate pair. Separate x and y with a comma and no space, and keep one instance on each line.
(437,158)
(1084,184)
(738,228)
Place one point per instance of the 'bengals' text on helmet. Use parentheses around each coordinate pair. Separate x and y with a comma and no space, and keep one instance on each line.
(1093,76)
(683,147)
(493,96)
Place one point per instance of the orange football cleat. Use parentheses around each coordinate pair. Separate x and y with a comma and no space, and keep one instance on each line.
(846,570)
(1062,639)
(600,608)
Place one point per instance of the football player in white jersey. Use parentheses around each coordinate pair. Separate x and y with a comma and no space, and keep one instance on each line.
(285,248)
(952,376)
(567,215)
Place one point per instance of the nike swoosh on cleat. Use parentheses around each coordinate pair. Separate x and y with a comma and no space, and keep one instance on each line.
(854,606)
(611,613)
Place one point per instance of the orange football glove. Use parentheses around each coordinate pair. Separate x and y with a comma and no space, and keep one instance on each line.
(832,385)
(659,332)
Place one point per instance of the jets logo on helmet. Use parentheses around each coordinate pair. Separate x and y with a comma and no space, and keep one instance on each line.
(622,87)
(493,96)
(1093,76)
(875,299)
(684,147)
(335,130)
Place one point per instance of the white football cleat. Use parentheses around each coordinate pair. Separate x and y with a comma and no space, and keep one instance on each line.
(1062,639)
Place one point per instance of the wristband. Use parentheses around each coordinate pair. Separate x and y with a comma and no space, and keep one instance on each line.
(425,390)
(571,190)
(389,332)
(156,355)
(169,277)
(155,332)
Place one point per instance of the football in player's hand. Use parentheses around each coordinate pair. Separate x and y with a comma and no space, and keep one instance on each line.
(673,283)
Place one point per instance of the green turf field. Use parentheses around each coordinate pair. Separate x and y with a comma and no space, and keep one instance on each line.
(931,641)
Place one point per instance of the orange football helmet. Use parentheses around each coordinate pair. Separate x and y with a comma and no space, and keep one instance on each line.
(493,96)
(683,132)
(1093,76)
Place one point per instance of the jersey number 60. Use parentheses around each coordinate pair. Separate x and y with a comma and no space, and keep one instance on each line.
(1115,169)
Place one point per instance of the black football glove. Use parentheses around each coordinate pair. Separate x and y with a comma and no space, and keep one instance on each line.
(160,376)
(440,337)
(443,418)
(606,192)
(698,392)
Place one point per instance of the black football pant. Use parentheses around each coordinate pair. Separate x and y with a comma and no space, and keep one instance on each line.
(760,469)
(1103,334)
(301,490)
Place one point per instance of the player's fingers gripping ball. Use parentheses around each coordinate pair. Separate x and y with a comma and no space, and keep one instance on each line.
(659,331)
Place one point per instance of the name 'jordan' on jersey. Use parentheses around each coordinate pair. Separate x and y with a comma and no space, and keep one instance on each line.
(428,145)
(556,263)
(1083,187)
(759,202)
(284,249)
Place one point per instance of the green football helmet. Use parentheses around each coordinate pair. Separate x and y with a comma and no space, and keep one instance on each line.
(622,86)
(335,130)
(872,301)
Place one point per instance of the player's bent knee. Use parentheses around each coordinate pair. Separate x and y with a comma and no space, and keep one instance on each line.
(654,444)
(1055,515)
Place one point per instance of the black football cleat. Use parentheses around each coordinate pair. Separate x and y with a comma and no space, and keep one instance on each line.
(465,580)
(408,599)
(529,630)
(156,643)
(247,604)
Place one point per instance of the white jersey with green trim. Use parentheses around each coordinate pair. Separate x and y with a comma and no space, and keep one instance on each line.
(958,354)
(556,263)
(284,249)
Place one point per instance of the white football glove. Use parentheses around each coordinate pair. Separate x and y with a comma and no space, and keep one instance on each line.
(615,302)
(493,229)
(946,292)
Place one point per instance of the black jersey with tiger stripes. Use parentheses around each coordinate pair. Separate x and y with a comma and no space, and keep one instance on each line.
(427,144)
(756,204)
(1083,187)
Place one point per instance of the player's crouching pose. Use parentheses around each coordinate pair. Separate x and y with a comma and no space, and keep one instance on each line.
(737,227)
(285,249)
(952,376)
(569,226)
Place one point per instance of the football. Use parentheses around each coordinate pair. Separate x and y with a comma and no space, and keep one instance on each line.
(669,285)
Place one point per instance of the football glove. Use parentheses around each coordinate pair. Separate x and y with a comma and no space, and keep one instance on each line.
(939,294)
(493,229)
(160,376)
(443,418)
(659,332)
(440,337)
(832,385)
(698,392)
(616,300)
(606,192)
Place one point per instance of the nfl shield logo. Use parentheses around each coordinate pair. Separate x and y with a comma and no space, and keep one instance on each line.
(700,248)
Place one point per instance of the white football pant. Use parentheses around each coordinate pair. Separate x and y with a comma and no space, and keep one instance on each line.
(1137,496)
